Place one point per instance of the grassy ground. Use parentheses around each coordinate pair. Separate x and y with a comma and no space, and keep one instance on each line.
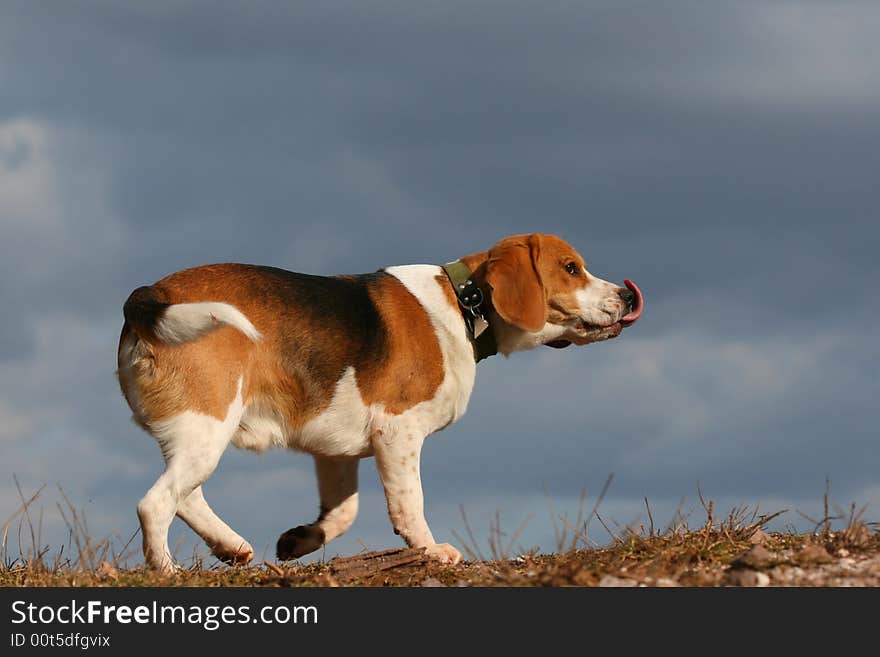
(699,558)
(732,551)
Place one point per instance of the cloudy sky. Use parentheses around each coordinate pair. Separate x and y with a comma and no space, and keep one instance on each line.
(723,155)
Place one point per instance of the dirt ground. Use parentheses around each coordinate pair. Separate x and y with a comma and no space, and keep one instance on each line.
(713,556)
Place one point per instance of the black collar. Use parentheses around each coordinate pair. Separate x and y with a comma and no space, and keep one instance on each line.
(471,300)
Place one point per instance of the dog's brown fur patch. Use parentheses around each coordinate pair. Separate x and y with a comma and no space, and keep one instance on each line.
(313,329)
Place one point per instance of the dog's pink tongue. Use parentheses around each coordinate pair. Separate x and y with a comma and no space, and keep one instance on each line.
(636,312)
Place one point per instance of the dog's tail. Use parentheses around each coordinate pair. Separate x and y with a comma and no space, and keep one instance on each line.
(154,318)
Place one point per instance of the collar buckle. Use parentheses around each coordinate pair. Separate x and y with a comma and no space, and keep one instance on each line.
(470,299)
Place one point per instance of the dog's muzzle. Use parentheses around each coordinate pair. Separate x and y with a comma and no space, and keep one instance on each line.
(635,303)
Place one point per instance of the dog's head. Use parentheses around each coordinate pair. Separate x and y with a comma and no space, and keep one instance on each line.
(541,289)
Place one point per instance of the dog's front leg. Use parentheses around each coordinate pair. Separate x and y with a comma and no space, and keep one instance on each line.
(397,459)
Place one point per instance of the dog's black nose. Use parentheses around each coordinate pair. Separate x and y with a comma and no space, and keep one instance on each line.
(628,296)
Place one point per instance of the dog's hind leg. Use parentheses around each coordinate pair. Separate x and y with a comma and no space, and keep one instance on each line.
(337,486)
(192,444)
(224,542)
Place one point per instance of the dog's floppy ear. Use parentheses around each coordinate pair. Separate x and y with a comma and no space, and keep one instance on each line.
(512,277)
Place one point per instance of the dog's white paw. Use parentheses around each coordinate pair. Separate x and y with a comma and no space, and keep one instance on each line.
(163,564)
(238,552)
(444,553)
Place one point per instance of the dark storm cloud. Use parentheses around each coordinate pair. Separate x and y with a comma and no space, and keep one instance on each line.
(482,119)
(723,157)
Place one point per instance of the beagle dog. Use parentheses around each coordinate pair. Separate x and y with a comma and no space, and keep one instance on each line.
(340,367)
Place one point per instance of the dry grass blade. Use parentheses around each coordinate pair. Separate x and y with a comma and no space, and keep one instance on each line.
(582,534)
(497,548)
(472,548)
(516,534)
(560,536)
(275,568)
(495,537)
(614,537)
(678,520)
(827,528)
(578,530)
(650,518)
(762,521)
(30,523)
(22,510)
(580,519)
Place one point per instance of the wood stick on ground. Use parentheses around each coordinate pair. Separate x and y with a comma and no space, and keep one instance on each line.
(364,565)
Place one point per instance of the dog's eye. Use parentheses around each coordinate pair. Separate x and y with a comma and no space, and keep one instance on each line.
(572,269)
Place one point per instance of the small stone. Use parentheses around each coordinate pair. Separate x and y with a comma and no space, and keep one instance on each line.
(759,537)
(743,577)
(843,552)
(755,558)
(610,581)
(327,580)
(108,571)
(814,553)
(432,582)
(666,582)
